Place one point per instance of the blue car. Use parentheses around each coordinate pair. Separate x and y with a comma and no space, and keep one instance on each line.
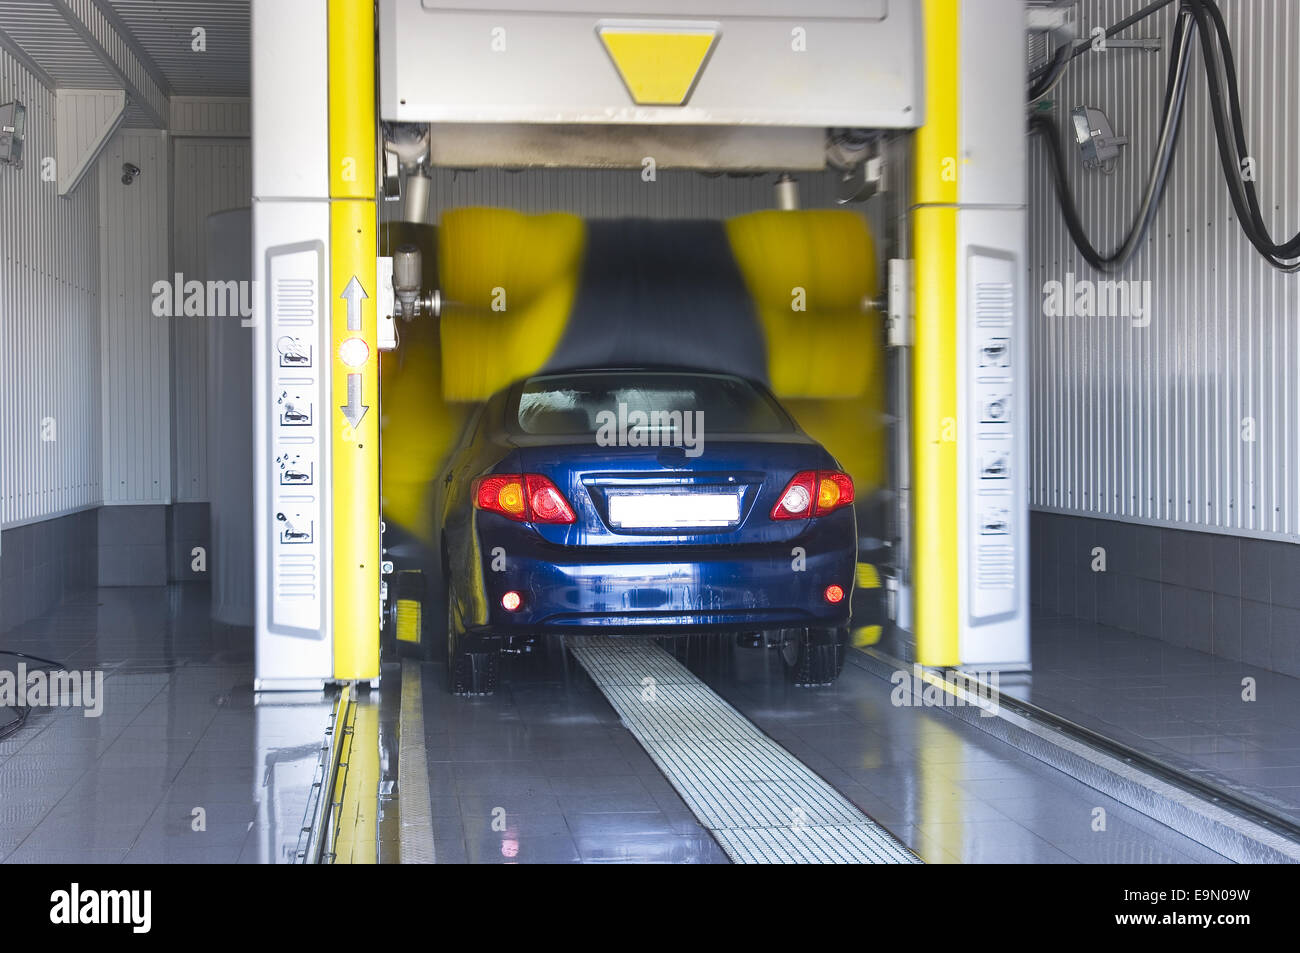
(647,501)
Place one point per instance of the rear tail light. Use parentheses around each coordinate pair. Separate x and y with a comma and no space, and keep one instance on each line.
(834,489)
(511,601)
(796,502)
(834,594)
(501,494)
(523,497)
(546,504)
(813,493)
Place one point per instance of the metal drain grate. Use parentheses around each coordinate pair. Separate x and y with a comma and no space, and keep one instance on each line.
(760,802)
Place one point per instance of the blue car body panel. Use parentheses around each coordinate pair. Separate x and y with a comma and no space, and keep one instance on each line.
(757,574)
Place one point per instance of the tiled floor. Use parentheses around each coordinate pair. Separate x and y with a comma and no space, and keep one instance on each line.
(543,771)
(181,766)
(547,759)
(1185,707)
(950,791)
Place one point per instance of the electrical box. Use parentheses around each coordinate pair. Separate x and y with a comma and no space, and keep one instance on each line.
(13,129)
(1094,136)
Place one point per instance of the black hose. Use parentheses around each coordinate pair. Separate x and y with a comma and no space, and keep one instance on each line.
(1228,68)
(1175,96)
(1194,16)
(1221,70)
(14,726)
(1060,60)
(32,658)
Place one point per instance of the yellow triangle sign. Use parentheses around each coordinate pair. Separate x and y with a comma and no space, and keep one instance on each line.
(659,66)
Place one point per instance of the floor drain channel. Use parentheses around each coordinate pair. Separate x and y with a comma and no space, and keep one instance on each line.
(759,802)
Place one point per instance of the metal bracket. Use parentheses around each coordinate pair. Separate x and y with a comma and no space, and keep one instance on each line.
(386,304)
(862,181)
(1149,44)
(392,187)
(898,303)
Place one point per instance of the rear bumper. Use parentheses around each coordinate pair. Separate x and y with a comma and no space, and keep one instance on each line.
(637,589)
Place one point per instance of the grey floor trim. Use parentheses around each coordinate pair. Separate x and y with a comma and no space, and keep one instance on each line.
(416,839)
(318,824)
(1226,833)
(759,802)
(311,831)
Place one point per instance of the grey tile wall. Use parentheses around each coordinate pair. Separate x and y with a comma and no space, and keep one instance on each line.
(1231,596)
(42,562)
(187,529)
(133,545)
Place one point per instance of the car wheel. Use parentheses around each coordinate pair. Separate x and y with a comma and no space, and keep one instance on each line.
(437,603)
(813,656)
(468,673)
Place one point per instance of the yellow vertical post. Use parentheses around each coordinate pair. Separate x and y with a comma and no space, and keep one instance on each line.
(935,430)
(354,411)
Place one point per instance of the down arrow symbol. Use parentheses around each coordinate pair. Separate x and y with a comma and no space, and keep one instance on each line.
(354,410)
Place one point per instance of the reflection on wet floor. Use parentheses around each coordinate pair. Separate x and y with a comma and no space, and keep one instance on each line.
(1187,708)
(948,790)
(180,767)
(183,766)
(543,772)
(548,756)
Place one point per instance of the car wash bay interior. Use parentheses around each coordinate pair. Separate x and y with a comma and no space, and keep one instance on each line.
(1160,570)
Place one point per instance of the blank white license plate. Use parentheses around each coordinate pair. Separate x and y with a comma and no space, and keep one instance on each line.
(654,510)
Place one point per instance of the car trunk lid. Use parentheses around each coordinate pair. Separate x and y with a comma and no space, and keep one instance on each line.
(666,494)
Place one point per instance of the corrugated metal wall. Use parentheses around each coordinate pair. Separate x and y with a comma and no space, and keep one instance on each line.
(123,56)
(211,175)
(49,325)
(1194,419)
(135,347)
(210,116)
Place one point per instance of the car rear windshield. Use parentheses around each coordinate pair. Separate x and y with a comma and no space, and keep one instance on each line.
(649,401)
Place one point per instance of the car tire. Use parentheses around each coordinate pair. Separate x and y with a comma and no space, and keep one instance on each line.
(814,657)
(437,603)
(469,673)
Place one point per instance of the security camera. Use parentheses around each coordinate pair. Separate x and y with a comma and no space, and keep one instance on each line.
(130,173)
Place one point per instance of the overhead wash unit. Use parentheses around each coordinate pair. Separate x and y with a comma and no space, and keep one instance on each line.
(717,86)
